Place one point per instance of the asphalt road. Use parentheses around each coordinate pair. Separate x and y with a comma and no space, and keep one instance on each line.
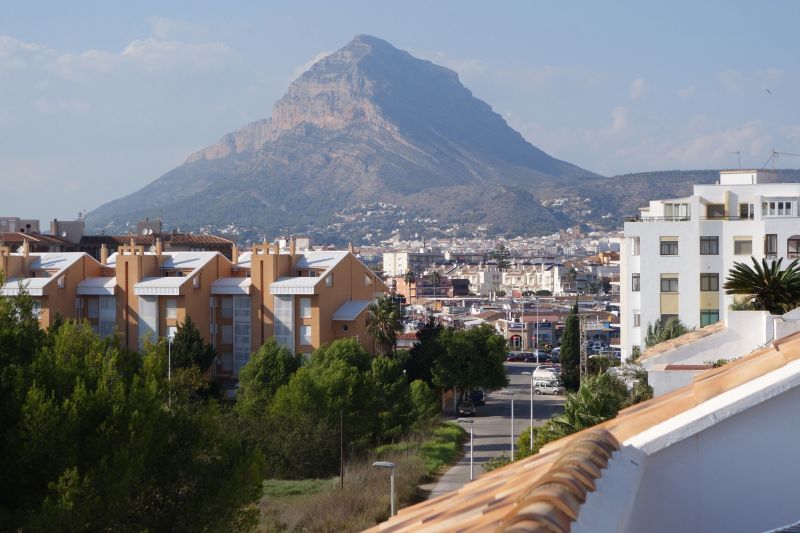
(492,426)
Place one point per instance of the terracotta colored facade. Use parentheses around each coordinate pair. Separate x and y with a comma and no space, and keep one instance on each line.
(303,298)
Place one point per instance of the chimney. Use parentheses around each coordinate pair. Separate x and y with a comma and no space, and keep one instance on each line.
(132,242)
(291,247)
(350,247)
(159,247)
(26,248)
(235,254)
(103,254)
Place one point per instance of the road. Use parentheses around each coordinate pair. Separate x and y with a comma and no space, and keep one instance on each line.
(492,427)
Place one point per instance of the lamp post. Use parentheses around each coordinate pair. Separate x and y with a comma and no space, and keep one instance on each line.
(531,375)
(470,422)
(511,393)
(390,466)
(536,349)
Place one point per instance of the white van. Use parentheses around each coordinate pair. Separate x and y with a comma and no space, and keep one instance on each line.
(548,387)
(545,373)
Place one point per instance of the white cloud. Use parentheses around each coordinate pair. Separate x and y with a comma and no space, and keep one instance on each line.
(732,80)
(638,88)
(686,92)
(297,71)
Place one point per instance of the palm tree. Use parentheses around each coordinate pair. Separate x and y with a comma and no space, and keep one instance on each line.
(664,331)
(435,278)
(410,277)
(769,287)
(383,323)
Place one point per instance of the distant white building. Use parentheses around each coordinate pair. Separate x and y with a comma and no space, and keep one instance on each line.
(398,263)
(676,254)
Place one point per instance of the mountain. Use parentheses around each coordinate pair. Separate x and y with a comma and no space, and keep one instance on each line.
(367,129)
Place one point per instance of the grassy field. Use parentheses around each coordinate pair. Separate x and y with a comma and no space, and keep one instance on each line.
(322,505)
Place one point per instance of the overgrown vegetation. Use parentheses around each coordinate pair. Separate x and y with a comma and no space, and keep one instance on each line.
(663,331)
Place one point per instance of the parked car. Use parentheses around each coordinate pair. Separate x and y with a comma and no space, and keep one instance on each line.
(545,372)
(515,357)
(466,408)
(548,387)
(478,397)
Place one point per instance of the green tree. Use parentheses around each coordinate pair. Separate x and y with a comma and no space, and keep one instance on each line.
(500,293)
(769,287)
(188,347)
(436,279)
(470,359)
(571,350)
(410,277)
(425,404)
(543,292)
(422,356)
(664,331)
(268,369)
(384,320)
(502,255)
(392,407)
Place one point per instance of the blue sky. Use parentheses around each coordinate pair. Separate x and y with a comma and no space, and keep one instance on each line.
(99,98)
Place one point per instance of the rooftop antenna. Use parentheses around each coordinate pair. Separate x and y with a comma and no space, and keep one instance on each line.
(774,155)
(738,158)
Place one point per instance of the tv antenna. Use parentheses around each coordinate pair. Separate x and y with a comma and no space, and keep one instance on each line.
(774,156)
(738,158)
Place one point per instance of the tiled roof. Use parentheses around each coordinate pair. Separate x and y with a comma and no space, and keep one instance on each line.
(11,238)
(544,492)
(683,340)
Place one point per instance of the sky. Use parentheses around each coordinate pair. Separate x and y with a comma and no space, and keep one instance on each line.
(97,99)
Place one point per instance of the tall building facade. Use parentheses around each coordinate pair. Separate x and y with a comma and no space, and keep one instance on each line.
(676,253)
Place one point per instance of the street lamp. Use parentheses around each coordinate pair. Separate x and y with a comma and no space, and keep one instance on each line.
(470,422)
(511,393)
(531,375)
(536,349)
(387,464)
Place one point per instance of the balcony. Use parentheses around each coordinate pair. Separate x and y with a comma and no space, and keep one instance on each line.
(638,218)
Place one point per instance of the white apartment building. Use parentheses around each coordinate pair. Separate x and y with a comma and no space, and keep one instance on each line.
(398,263)
(676,254)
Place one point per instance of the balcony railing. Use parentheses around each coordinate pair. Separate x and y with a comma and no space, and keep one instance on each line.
(656,219)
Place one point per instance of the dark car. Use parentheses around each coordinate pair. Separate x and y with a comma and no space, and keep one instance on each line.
(466,408)
(531,358)
(518,357)
(478,397)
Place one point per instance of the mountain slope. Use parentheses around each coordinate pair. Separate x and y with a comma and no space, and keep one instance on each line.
(368,123)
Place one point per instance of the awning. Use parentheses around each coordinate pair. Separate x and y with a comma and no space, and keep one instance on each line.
(97,287)
(350,311)
(231,286)
(287,286)
(169,286)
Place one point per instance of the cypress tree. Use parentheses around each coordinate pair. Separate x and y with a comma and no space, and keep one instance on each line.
(571,350)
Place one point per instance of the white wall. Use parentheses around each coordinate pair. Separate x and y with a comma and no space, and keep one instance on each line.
(738,475)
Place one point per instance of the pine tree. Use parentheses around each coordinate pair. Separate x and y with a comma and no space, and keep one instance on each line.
(189,349)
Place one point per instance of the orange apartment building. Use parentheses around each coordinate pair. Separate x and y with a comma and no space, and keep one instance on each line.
(303,298)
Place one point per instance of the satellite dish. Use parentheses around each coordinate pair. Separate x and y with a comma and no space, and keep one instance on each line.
(144,231)
(63,233)
(150,231)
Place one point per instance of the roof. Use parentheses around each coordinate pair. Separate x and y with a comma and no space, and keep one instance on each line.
(244,260)
(350,310)
(177,239)
(304,285)
(97,287)
(231,286)
(18,237)
(57,261)
(33,286)
(320,258)
(544,492)
(683,340)
(184,260)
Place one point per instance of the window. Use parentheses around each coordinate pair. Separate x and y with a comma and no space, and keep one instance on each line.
(742,246)
(62,281)
(635,279)
(92,308)
(709,282)
(746,211)
(676,211)
(709,245)
(635,243)
(227,334)
(367,279)
(329,280)
(305,335)
(715,211)
(778,208)
(669,284)
(793,247)
(227,307)
(171,308)
(771,245)
(305,307)
(669,246)
(108,315)
(666,318)
(708,317)
(284,321)
(637,320)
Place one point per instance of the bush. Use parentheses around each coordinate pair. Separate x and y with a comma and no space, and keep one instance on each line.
(495,463)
